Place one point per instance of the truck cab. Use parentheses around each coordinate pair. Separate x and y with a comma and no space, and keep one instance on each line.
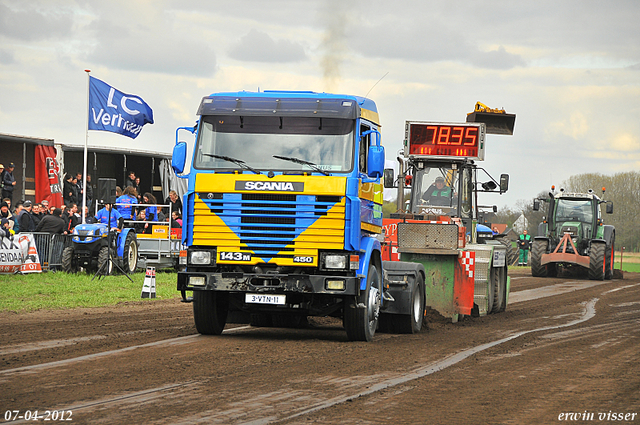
(283,205)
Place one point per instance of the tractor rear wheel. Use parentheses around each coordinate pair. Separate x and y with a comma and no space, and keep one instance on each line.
(130,254)
(512,253)
(69,263)
(596,261)
(538,248)
(609,258)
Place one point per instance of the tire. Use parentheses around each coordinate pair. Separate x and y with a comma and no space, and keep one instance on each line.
(105,265)
(361,313)
(500,289)
(69,263)
(538,248)
(130,254)
(596,261)
(512,253)
(210,311)
(610,258)
(411,323)
(491,290)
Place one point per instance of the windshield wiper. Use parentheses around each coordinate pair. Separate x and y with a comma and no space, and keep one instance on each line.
(239,162)
(303,162)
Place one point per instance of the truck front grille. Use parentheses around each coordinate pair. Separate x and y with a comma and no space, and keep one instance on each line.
(270,225)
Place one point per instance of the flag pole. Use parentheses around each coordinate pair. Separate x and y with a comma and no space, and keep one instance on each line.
(86,142)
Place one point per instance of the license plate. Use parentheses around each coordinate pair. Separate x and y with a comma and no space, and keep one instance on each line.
(265,299)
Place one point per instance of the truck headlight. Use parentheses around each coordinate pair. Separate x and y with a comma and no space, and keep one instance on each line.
(200,258)
(336,261)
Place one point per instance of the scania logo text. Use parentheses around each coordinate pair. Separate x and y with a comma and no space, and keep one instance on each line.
(270,186)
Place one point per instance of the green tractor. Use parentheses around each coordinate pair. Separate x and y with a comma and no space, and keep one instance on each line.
(573,235)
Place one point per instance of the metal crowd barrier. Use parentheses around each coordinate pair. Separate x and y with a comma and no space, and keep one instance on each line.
(50,247)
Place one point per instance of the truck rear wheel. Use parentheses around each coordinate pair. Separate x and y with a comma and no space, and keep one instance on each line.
(411,323)
(596,261)
(361,313)
(130,254)
(210,311)
(69,263)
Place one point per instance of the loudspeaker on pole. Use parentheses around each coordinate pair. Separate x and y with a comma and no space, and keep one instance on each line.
(149,285)
(106,191)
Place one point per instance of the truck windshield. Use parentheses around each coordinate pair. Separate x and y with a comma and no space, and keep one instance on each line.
(326,142)
(574,210)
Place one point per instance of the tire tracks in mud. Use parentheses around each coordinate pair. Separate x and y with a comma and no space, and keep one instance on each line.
(256,414)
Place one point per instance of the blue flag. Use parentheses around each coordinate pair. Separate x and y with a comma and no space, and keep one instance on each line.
(112,110)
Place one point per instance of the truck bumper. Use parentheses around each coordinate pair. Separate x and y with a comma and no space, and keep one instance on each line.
(246,282)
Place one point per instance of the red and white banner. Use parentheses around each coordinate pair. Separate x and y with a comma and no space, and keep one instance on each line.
(19,254)
(48,176)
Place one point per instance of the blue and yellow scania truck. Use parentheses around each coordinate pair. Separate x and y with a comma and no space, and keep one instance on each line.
(283,213)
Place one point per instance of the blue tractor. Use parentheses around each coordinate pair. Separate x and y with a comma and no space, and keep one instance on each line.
(91,251)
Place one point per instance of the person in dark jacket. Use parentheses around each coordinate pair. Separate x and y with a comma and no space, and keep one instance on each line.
(70,192)
(24,218)
(52,223)
(8,182)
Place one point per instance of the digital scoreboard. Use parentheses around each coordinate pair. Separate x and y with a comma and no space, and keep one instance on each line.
(444,140)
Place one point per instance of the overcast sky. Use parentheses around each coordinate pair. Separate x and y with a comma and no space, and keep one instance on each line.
(569,70)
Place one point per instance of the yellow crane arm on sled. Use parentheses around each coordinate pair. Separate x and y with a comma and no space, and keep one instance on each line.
(497,121)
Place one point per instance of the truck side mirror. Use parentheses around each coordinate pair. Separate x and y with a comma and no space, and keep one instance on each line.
(389,181)
(504,183)
(375,162)
(536,205)
(179,157)
(609,209)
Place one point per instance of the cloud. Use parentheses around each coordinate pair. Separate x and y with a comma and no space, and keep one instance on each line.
(31,24)
(497,59)
(576,127)
(151,47)
(257,46)
(625,142)
(6,57)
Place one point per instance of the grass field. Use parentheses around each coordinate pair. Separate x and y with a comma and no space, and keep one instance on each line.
(50,291)
(37,291)
(630,261)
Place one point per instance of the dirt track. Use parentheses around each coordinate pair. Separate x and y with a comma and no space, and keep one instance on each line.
(575,350)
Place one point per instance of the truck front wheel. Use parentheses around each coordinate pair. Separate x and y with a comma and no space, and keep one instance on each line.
(361,313)
(210,311)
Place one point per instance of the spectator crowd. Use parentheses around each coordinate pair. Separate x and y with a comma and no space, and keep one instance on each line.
(27,216)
